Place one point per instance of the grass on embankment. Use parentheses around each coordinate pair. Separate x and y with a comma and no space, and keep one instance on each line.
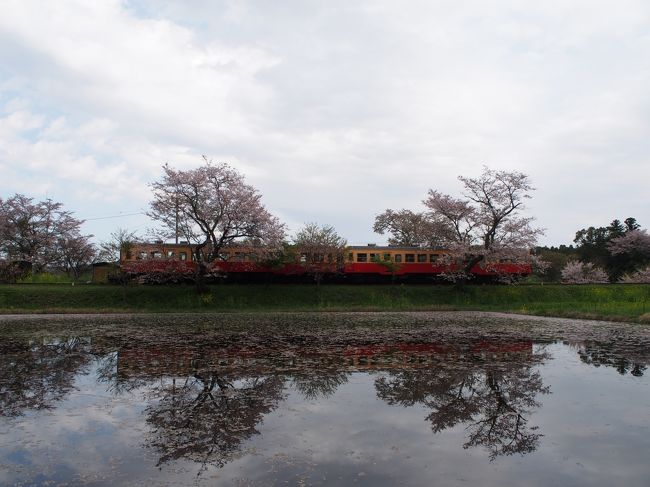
(613,302)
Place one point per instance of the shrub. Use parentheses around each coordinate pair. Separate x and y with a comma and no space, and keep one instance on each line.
(12,271)
(641,276)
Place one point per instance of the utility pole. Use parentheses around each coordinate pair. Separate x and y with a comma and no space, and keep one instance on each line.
(176,232)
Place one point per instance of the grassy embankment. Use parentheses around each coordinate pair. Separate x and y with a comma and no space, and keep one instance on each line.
(613,302)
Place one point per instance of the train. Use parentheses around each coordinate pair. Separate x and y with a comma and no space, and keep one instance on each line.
(158,262)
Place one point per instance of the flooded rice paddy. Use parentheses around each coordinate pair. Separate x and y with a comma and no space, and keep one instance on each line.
(323,399)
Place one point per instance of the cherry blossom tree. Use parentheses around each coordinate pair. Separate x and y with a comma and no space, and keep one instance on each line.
(406,228)
(636,242)
(212,207)
(576,272)
(321,249)
(485,225)
(32,231)
(634,247)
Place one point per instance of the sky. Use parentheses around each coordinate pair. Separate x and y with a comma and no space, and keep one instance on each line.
(333,110)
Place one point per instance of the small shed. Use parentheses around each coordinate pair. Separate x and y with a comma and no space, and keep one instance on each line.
(102,271)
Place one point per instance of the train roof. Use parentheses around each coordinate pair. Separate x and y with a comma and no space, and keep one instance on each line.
(371,247)
(368,247)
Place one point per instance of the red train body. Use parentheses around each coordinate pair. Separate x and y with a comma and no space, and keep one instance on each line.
(359,264)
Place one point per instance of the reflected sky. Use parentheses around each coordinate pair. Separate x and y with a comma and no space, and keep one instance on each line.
(346,399)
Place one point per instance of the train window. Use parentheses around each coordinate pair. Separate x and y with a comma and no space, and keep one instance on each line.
(156,254)
(224,255)
(182,255)
(398,257)
(422,257)
(362,257)
(142,255)
(373,257)
(410,257)
(433,258)
(303,258)
(170,254)
(387,257)
(240,256)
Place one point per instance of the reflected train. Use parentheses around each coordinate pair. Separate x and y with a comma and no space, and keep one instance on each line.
(357,264)
(156,360)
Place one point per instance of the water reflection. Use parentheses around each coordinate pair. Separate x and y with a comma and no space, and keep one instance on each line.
(207,394)
(612,355)
(490,386)
(493,399)
(207,416)
(36,374)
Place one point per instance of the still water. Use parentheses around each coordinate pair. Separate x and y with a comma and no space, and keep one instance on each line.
(326,399)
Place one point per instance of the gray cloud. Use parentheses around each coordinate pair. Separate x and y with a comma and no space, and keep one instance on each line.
(334,111)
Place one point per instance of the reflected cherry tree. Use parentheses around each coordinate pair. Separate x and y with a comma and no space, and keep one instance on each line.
(207,416)
(206,401)
(36,374)
(319,383)
(626,360)
(493,398)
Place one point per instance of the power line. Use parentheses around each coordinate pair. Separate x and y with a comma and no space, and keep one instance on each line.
(113,216)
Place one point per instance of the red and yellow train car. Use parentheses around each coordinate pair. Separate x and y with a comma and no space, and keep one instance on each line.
(369,263)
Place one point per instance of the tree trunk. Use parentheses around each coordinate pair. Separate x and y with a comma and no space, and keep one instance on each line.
(201,268)
(199,278)
(467,270)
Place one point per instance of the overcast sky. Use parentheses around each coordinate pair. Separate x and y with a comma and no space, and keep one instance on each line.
(334,110)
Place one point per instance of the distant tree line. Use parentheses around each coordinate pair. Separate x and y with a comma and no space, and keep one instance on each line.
(617,252)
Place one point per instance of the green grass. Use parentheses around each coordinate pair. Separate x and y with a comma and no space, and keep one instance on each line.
(51,278)
(614,302)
